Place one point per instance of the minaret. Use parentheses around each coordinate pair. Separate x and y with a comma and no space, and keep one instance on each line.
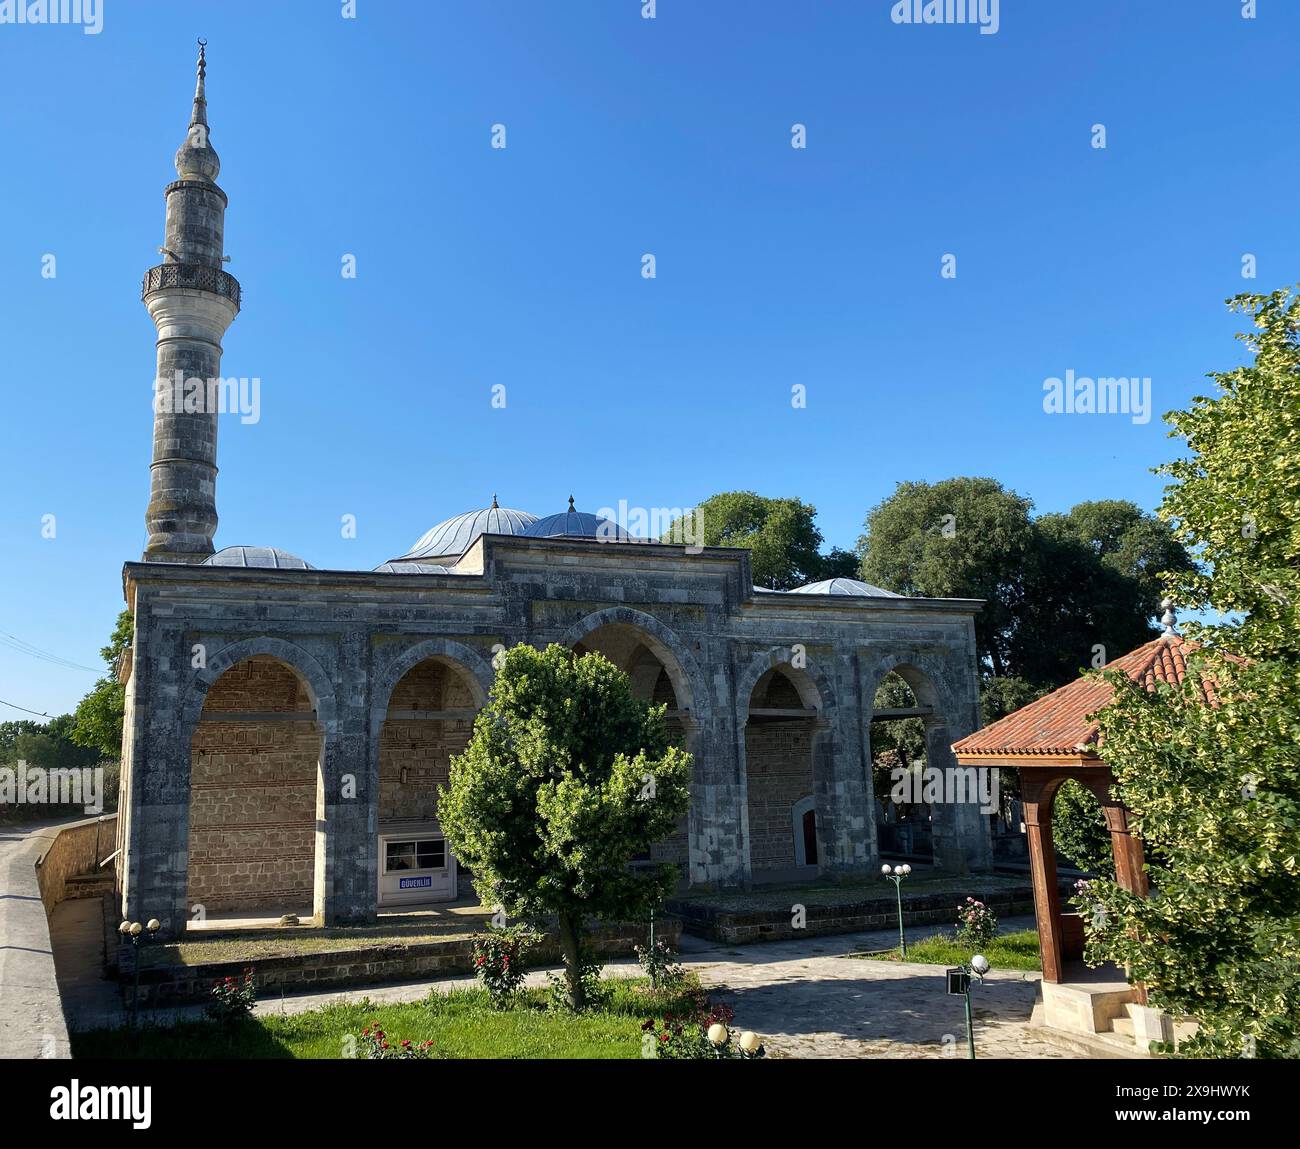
(191,301)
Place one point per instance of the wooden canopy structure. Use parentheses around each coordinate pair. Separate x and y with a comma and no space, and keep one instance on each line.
(1051,741)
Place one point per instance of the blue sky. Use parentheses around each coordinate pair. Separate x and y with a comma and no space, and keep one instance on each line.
(479,266)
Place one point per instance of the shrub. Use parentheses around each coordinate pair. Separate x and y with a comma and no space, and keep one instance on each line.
(232,998)
(977,925)
(499,961)
(658,962)
(375,1046)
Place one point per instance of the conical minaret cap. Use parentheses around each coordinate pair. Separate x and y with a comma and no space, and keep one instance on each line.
(197,159)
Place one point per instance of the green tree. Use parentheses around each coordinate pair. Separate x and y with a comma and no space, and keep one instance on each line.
(97,721)
(566,778)
(780,534)
(1215,790)
(1079,830)
(1055,588)
(959,538)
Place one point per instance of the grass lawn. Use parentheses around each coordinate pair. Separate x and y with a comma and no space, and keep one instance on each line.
(460,1024)
(1018,950)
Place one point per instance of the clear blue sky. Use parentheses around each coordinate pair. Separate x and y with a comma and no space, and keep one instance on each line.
(522,267)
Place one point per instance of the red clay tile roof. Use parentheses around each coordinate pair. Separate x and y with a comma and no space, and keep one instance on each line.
(1057,723)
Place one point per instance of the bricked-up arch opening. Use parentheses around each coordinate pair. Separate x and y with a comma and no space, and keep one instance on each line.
(255,777)
(429,720)
(655,677)
(779,739)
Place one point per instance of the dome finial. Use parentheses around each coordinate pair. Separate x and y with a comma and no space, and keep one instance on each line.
(494,506)
(200,114)
(1169,619)
(571,504)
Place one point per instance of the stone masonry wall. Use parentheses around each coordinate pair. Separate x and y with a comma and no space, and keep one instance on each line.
(779,756)
(253,794)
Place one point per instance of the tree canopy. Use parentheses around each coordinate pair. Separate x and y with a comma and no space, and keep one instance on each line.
(781,535)
(97,721)
(1056,588)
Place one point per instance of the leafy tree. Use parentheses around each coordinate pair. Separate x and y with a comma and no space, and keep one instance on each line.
(1133,543)
(1000,696)
(1079,830)
(1215,790)
(566,778)
(1055,588)
(781,535)
(97,721)
(959,538)
(10,732)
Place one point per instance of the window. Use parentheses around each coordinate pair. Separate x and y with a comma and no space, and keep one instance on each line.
(426,854)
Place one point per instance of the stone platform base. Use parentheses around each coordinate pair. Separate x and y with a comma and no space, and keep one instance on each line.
(181,984)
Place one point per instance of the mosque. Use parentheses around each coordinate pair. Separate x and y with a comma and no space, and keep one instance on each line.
(288,728)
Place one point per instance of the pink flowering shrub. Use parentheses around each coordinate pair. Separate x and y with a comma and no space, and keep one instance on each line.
(977,925)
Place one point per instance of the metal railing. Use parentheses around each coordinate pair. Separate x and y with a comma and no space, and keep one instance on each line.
(194,275)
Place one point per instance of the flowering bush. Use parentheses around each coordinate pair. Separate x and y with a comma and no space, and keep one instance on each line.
(499,961)
(977,925)
(232,998)
(659,964)
(703,1034)
(375,1046)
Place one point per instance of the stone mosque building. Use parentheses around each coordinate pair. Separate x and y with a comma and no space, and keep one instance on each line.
(288,728)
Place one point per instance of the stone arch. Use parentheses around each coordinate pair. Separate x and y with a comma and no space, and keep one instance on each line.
(810,681)
(319,686)
(960,834)
(785,761)
(254,768)
(683,671)
(447,650)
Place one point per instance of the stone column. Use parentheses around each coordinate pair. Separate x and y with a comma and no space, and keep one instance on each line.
(347,813)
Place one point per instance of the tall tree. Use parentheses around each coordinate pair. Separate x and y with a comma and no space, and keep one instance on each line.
(97,721)
(566,778)
(781,535)
(1216,789)
(959,538)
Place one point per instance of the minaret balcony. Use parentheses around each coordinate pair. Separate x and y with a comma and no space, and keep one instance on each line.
(192,275)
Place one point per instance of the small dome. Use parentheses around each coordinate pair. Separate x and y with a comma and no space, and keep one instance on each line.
(573,524)
(453,537)
(411,568)
(846,586)
(264,557)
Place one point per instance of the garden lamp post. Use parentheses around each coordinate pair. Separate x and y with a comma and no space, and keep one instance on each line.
(896,874)
(134,932)
(959,980)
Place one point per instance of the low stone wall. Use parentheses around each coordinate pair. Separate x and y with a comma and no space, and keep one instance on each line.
(72,852)
(874,912)
(341,969)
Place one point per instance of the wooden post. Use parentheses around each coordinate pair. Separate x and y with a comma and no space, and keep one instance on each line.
(1042,864)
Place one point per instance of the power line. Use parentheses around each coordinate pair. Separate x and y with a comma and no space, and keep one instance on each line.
(24,709)
(23,647)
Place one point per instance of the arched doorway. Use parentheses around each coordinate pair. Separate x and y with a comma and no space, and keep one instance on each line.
(655,677)
(255,789)
(960,799)
(780,735)
(898,760)
(429,720)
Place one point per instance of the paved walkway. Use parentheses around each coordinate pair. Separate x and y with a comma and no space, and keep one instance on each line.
(805,997)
